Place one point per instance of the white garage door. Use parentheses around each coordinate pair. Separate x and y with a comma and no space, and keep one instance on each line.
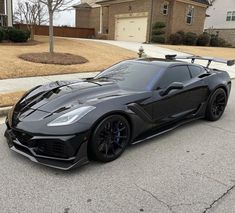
(131,29)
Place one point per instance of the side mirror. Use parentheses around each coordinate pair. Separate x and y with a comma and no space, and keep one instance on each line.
(172,86)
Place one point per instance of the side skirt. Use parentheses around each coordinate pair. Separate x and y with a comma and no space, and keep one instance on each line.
(165,130)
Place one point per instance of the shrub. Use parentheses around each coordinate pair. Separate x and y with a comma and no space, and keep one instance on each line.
(175,38)
(203,39)
(158,39)
(182,33)
(6,32)
(190,38)
(16,35)
(158,33)
(216,41)
(7,29)
(2,34)
(159,25)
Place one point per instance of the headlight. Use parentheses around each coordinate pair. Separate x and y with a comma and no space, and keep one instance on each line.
(71,117)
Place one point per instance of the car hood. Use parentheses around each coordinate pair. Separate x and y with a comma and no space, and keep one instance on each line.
(63,95)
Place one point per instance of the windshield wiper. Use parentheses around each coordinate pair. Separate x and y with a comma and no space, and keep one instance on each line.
(92,81)
(112,78)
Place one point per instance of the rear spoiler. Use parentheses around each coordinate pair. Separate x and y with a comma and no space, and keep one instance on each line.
(209,59)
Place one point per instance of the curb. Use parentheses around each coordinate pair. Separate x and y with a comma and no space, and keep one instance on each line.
(4,111)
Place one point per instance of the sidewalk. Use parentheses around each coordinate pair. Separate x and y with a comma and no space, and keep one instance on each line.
(18,84)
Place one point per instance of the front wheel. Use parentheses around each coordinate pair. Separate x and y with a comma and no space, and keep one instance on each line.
(110,138)
(216,105)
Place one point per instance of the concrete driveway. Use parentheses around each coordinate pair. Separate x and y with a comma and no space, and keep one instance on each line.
(191,169)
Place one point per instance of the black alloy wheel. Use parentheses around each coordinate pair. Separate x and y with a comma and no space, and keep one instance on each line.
(110,138)
(216,105)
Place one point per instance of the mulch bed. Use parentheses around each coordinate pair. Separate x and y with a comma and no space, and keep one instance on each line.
(54,58)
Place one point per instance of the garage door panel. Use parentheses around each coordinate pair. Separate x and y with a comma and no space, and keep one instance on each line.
(131,29)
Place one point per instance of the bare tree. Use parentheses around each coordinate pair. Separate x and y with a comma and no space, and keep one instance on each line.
(211,2)
(54,6)
(31,13)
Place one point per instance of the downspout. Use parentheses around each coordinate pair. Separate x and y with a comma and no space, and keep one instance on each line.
(150,22)
(101,20)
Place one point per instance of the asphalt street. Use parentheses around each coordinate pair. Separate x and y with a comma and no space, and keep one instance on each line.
(191,169)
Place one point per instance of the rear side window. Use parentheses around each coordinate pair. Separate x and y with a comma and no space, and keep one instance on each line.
(175,74)
(195,71)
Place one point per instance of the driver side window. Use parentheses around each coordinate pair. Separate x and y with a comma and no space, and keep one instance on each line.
(175,74)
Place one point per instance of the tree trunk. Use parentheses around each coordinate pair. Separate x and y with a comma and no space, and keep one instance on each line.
(29,28)
(51,34)
(32,27)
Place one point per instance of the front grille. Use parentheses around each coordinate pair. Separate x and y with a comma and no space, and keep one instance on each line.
(50,147)
(53,148)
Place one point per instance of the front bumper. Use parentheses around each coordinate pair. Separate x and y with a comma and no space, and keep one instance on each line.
(61,152)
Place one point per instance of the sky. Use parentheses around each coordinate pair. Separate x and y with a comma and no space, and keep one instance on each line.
(61,18)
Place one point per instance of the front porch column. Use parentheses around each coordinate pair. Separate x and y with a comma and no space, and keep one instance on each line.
(9,13)
(101,20)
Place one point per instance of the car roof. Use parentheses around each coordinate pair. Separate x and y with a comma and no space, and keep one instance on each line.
(160,62)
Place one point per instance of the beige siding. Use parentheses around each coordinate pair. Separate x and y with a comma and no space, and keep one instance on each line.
(218,13)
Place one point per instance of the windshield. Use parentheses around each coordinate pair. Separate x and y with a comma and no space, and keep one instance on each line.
(131,75)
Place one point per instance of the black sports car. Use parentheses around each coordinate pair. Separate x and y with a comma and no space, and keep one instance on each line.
(65,123)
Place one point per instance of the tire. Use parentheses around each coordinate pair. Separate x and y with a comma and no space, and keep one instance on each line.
(216,105)
(110,138)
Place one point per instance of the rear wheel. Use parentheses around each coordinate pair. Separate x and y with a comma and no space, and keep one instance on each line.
(216,105)
(110,138)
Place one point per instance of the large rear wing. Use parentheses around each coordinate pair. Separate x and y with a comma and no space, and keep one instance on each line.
(209,59)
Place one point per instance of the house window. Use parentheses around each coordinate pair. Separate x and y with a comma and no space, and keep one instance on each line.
(189,14)
(1,20)
(164,8)
(230,16)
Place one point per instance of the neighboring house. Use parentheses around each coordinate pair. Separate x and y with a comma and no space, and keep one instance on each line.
(6,13)
(221,19)
(132,20)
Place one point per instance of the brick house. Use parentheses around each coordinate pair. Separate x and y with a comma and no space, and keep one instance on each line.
(131,20)
(221,19)
(6,13)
